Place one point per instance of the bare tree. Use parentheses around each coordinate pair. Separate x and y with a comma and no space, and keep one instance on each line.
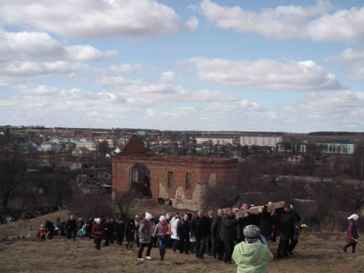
(124,203)
(12,172)
(88,205)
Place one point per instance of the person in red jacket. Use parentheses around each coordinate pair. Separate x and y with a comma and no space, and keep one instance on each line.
(42,233)
(97,232)
(352,235)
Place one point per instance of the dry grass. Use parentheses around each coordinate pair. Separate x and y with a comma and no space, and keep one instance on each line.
(28,228)
(316,254)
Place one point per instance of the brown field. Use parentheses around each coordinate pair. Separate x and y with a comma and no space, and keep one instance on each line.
(316,254)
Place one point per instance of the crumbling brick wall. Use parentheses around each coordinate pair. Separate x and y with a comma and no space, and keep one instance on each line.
(183,192)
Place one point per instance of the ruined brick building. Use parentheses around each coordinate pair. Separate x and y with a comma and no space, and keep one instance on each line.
(179,179)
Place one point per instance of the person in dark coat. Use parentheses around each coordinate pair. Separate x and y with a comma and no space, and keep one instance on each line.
(49,226)
(209,243)
(275,224)
(109,231)
(202,223)
(183,231)
(192,219)
(71,228)
(120,230)
(137,221)
(352,234)
(97,232)
(265,225)
(130,234)
(228,234)
(216,242)
(296,230)
(146,232)
(89,224)
(57,227)
(286,228)
(241,222)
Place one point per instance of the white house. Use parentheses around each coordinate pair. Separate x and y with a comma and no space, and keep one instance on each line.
(215,140)
(260,140)
(337,148)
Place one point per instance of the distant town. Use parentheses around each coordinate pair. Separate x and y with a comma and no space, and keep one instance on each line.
(83,157)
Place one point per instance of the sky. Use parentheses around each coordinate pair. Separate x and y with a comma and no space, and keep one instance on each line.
(293,66)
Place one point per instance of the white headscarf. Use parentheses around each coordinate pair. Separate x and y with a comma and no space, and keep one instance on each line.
(148,216)
(354,217)
(97,220)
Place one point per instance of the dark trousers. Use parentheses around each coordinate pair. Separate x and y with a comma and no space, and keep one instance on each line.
(217,248)
(129,244)
(98,243)
(120,238)
(201,244)
(141,249)
(228,250)
(283,247)
(184,245)
(351,244)
(193,247)
(175,244)
(71,234)
(163,241)
(292,245)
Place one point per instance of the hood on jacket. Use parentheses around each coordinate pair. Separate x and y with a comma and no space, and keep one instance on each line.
(252,258)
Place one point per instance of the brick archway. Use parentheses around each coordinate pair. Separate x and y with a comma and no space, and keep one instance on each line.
(140,180)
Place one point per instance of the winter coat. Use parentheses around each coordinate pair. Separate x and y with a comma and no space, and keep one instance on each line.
(71,225)
(352,232)
(120,227)
(228,229)
(252,258)
(98,231)
(266,225)
(215,228)
(146,229)
(241,223)
(174,225)
(162,229)
(286,225)
(130,231)
(203,226)
(183,230)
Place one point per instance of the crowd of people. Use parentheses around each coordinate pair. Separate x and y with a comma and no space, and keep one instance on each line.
(214,233)
(225,234)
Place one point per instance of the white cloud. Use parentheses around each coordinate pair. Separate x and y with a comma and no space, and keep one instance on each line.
(88,53)
(192,24)
(267,74)
(342,110)
(37,53)
(177,108)
(94,18)
(353,61)
(126,68)
(246,104)
(312,22)
(168,76)
(40,45)
(18,69)
(119,97)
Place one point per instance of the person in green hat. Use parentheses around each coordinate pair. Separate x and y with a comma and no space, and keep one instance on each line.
(252,255)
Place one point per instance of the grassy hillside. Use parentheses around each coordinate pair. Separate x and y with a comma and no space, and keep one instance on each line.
(315,254)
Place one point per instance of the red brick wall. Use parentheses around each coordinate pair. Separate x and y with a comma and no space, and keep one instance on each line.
(226,172)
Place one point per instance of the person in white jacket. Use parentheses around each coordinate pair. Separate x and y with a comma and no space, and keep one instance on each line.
(174,234)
